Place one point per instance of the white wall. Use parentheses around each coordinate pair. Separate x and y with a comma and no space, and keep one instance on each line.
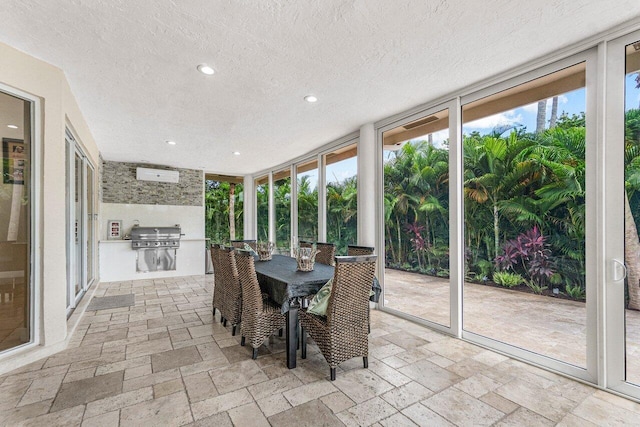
(58,105)
(190,218)
(118,259)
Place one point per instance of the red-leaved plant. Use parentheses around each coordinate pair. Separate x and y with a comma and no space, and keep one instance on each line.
(530,252)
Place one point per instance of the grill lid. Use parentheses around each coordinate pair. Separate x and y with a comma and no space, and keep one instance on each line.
(149,237)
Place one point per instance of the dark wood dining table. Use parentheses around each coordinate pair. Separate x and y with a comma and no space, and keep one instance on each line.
(286,285)
(281,279)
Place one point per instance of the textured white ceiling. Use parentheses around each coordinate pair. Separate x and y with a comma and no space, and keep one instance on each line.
(131,65)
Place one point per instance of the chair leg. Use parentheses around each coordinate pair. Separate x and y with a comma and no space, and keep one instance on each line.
(224,323)
(221,318)
(303,343)
(333,374)
(214,312)
(233,331)
(255,354)
(365,361)
(280,332)
(242,341)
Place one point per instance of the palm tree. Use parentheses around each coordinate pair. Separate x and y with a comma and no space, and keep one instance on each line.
(493,174)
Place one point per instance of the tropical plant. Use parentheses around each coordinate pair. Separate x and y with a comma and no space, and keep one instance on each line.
(535,287)
(223,204)
(507,279)
(528,252)
(576,292)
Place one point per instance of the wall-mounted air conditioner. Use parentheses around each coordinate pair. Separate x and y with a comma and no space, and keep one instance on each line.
(158,175)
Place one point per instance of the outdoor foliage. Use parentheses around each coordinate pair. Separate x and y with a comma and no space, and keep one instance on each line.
(507,279)
(216,210)
(341,212)
(524,199)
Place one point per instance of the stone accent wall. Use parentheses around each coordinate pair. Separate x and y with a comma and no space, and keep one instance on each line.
(119,185)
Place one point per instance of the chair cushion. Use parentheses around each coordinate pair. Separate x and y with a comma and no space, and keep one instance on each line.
(320,301)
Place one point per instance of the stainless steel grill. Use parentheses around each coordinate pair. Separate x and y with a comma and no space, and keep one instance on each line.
(155,247)
(155,237)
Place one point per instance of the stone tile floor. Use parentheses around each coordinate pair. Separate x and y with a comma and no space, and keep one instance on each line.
(553,327)
(165,361)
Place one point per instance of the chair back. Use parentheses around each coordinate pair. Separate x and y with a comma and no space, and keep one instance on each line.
(305,244)
(239,244)
(326,254)
(353,250)
(215,260)
(349,301)
(227,274)
(217,286)
(251,294)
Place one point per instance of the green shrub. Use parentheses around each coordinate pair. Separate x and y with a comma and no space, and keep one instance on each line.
(507,279)
(443,273)
(536,288)
(575,292)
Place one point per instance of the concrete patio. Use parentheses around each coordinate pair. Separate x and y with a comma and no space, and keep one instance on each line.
(165,361)
(549,326)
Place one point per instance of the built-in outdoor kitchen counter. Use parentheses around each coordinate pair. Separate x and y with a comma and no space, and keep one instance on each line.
(119,261)
(151,199)
(152,236)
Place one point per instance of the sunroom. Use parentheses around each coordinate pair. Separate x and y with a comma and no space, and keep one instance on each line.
(488,155)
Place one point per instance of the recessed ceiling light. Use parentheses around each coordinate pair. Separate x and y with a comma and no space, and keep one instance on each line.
(310,98)
(171,142)
(12,126)
(236,153)
(205,69)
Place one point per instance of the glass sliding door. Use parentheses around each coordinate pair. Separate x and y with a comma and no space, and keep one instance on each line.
(81,241)
(341,174)
(416,217)
(16,292)
(307,192)
(79,232)
(622,198)
(282,205)
(90,218)
(632,210)
(525,217)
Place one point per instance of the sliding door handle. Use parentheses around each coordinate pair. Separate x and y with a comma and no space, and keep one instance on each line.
(619,270)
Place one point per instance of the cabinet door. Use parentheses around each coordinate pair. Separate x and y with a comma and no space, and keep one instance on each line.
(146,260)
(166,259)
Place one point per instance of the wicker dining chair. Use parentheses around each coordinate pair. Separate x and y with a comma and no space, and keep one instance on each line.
(342,334)
(326,253)
(227,274)
(239,244)
(260,316)
(353,250)
(305,244)
(217,283)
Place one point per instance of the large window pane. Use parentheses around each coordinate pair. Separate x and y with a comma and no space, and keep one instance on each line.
(224,201)
(341,174)
(15,231)
(308,201)
(262,208)
(416,198)
(282,200)
(524,200)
